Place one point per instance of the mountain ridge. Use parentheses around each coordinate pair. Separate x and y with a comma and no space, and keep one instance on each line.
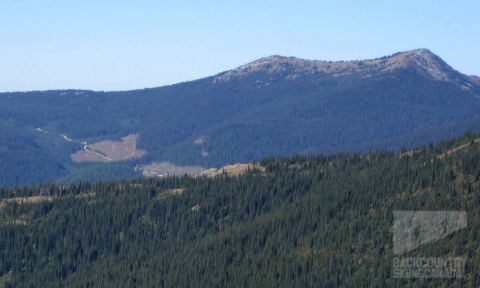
(277,106)
(404,59)
(422,59)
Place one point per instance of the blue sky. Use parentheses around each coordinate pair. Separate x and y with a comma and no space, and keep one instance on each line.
(117,45)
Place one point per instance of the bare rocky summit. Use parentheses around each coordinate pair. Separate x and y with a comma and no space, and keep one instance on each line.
(292,68)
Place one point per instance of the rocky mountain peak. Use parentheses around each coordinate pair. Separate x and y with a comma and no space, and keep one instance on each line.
(422,60)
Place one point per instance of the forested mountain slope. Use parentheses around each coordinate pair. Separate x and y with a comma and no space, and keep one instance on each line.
(274,106)
(316,221)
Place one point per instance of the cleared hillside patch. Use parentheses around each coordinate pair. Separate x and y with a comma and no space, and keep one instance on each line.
(110,151)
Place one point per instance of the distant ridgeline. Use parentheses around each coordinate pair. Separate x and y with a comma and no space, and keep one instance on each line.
(305,221)
(275,106)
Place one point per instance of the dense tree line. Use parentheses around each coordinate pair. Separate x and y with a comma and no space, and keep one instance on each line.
(307,221)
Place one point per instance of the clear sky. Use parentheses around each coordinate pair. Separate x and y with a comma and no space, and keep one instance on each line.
(118,44)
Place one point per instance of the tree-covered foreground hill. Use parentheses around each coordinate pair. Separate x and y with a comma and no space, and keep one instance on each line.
(317,221)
